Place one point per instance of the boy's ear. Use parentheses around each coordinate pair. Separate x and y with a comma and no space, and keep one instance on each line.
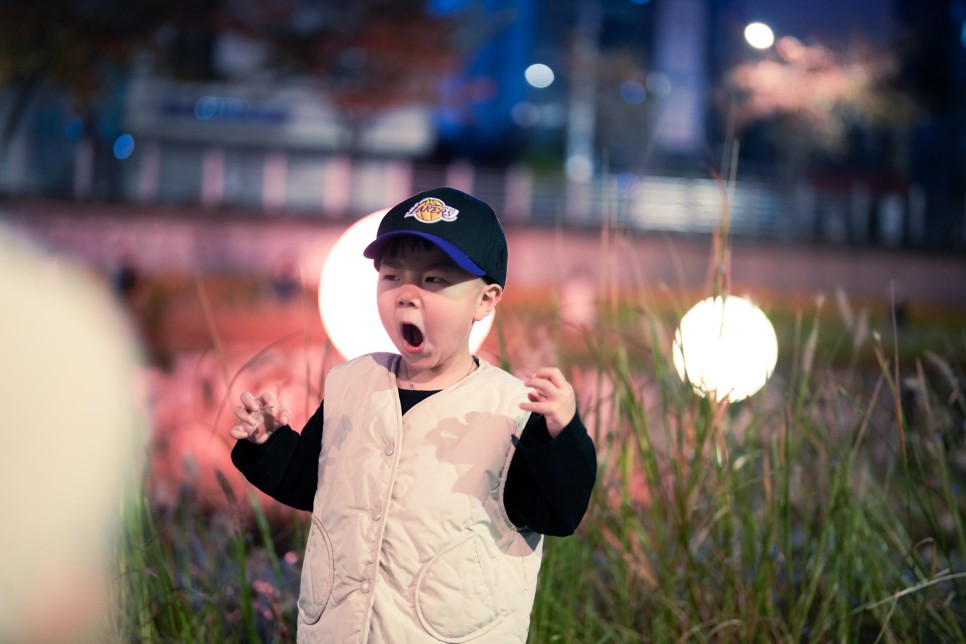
(488,300)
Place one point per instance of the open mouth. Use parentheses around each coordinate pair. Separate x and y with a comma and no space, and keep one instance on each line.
(412,336)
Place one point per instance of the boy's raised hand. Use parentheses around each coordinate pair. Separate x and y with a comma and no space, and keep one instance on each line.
(551,396)
(258,418)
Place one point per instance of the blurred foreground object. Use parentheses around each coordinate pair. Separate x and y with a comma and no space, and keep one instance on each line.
(726,348)
(72,435)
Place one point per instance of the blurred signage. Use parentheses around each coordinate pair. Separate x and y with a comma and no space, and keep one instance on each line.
(286,117)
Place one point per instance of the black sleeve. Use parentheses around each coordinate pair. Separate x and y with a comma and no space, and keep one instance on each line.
(550,480)
(286,466)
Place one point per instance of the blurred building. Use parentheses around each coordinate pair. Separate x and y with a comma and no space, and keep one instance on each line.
(932,38)
(630,129)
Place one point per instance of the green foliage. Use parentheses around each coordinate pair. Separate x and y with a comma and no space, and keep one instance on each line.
(829,507)
(190,575)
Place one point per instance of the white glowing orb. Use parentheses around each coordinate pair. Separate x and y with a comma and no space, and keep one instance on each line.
(726,348)
(759,35)
(347,296)
(539,75)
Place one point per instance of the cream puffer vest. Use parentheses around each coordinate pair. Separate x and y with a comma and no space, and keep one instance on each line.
(409,539)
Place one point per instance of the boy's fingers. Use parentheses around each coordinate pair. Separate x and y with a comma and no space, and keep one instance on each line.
(543,386)
(547,377)
(268,399)
(243,415)
(552,374)
(536,407)
(238,432)
(283,416)
(249,401)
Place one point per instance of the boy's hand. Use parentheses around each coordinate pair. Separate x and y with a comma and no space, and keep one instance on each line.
(258,418)
(551,396)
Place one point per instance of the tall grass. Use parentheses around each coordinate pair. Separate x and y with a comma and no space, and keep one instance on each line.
(188,575)
(819,511)
(827,508)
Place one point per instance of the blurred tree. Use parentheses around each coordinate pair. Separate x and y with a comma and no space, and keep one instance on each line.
(933,53)
(83,49)
(368,54)
(814,105)
(930,42)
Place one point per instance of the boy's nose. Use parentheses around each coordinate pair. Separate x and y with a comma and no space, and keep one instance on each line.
(407,295)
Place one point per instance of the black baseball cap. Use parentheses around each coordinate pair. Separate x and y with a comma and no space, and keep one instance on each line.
(462,226)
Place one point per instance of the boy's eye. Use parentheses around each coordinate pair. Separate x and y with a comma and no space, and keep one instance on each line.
(389,277)
(434,279)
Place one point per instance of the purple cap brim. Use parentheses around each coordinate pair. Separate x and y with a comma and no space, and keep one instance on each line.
(461,259)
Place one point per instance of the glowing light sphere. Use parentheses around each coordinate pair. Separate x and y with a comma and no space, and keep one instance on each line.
(725,348)
(347,295)
(759,35)
(539,75)
(123,146)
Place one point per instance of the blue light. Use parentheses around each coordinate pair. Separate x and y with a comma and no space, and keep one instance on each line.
(74,128)
(232,109)
(633,92)
(207,108)
(445,7)
(123,146)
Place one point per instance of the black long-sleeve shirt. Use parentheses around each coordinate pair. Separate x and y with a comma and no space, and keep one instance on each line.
(547,490)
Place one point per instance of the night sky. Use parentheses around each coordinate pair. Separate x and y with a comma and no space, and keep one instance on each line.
(825,19)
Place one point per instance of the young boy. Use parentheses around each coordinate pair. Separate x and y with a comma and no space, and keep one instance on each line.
(431,475)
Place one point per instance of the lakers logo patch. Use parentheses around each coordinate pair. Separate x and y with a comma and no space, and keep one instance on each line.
(431,210)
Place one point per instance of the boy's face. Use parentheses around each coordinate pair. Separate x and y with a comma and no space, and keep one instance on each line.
(428,305)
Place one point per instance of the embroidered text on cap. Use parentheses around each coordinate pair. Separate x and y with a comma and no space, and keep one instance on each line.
(431,210)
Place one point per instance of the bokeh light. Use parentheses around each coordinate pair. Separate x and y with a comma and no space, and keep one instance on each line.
(525,114)
(658,84)
(726,348)
(539,75)
(633,92)
(759,35)
(579,168)
(347,295)
(123,146)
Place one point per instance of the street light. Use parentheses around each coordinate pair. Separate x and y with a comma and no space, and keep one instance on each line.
(759,35)
(726,348)
(539,75)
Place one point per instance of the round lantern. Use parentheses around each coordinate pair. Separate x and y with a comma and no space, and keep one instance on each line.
(726,348)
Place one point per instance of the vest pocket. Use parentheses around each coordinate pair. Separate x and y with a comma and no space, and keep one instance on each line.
(454,592)
(317,574)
